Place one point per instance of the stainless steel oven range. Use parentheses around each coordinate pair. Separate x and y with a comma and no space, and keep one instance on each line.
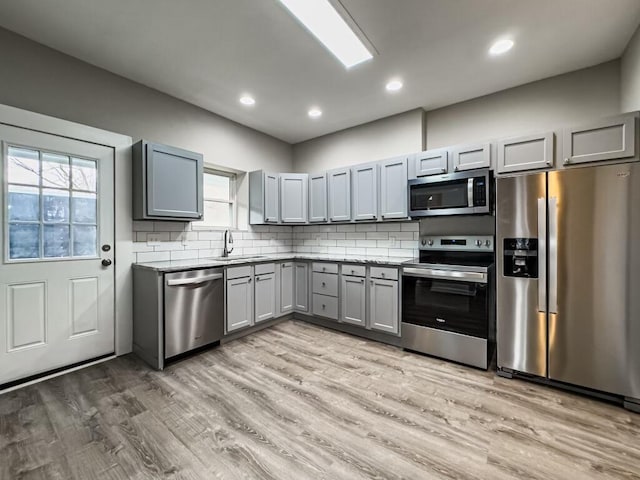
(448,300)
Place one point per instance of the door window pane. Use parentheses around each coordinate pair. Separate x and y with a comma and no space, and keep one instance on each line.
(55,171)
(23,166)
(56,241)
(84,241)
(55,206)
(85,207)
(24,241)
(23,203)
(84,174)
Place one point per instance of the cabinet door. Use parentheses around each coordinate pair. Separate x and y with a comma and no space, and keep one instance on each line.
(530,152)
(318,198)
(431,162)
(393,188)
(339,195)
(239,303)
(293,197)
(606,139)
(383,305)
(365,192)
(271,210)
(353,299)
(286,287)
(265,297)
(174,183)
(470,157)
(301,287)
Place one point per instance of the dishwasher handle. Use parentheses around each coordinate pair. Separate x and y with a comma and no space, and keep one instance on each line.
(194,281)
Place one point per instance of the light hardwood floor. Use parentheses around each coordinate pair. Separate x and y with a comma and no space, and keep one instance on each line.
(300,402)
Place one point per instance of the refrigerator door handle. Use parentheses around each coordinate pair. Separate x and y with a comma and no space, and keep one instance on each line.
(542,255)
(553,254)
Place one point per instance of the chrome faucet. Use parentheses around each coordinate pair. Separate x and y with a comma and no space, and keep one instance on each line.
(228,239)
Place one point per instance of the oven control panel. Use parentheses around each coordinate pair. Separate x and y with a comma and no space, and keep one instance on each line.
(457,243)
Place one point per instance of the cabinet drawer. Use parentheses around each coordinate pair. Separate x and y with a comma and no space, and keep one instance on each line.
(325,283)
(265,268)
(325,306)
(385,273)
(325,267)
(354,270)
(239,272)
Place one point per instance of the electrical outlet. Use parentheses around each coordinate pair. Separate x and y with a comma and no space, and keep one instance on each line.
(153,240)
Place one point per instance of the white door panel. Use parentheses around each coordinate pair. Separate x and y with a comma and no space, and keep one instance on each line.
(57,210)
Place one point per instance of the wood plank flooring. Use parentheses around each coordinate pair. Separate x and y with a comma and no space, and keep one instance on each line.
(300,402)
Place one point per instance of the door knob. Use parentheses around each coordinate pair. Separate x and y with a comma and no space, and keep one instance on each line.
(106,262)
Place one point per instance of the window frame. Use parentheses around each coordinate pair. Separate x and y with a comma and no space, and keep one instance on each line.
(5,206)
(231,201)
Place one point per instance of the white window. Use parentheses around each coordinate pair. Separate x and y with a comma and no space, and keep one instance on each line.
(219,199)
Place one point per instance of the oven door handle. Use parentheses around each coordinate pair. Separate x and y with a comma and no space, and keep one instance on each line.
(472,277)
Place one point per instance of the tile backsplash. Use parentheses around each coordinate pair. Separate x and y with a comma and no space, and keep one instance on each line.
(158,241)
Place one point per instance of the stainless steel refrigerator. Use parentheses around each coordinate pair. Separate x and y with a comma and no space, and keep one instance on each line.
(568,278)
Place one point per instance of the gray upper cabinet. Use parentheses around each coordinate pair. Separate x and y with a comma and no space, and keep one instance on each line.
(610,138)
(393,188)
(293,197)
(383,305)
(339,194)
(365,192)
(168,183)
(240,312)
(531,152)
(301,287)
(353,300)
(318,198)
(470,157)
(264,198)
(430,162)
(286,287)
(265,297)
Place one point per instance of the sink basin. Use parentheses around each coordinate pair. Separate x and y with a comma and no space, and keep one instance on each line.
(238,257)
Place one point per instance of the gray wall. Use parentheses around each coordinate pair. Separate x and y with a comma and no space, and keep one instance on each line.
(37,78)
(557,101)
(630,75)
(388,137)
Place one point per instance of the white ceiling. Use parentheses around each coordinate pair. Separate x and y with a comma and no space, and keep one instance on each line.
(208,52)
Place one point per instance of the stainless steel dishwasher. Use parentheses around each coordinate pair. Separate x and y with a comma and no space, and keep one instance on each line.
(194,310)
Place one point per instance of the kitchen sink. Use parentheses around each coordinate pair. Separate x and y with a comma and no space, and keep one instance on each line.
(239,257)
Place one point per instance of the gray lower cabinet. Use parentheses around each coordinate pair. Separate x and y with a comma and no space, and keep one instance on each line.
(318,198)
(301,287)
(470,157)
(264,201)
(609,138)
(393,188)
(239,302)
(531,152)
(383,305)
(339,182)
(364,182)
(293,197)
(167,183)
(265,297)
(430,162)
(353,300)
(286,287)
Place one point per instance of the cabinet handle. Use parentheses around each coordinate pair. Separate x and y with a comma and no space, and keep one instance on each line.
(323,306)
(257,279)
(353,272)
(362,280)
(567,161)
(371,282)
(324,284)
(382,274)
(249,281)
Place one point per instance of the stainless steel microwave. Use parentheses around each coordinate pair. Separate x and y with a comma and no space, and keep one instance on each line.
(463,193)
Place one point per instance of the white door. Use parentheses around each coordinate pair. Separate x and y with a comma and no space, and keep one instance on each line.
(56,280)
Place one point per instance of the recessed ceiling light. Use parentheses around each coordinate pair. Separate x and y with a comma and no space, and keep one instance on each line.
(315,113)
(330,28)
(247,100)
(394,85)
(501,46)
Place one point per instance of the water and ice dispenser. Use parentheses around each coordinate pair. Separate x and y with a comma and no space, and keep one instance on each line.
(521,257)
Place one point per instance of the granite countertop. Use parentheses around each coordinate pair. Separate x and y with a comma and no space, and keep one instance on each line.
(177,265)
